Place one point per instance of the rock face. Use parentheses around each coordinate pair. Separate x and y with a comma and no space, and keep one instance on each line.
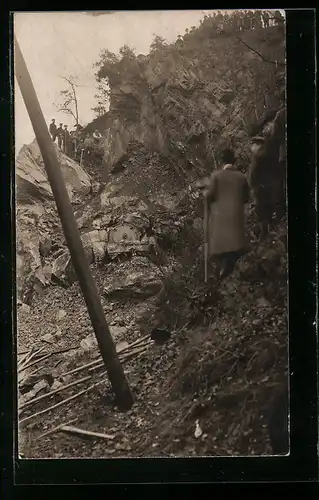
(186,100)
(32,182)
(37,219)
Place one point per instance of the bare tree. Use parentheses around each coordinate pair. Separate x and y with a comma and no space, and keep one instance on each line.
(69,101)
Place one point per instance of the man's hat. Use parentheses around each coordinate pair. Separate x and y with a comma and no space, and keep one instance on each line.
(61,124)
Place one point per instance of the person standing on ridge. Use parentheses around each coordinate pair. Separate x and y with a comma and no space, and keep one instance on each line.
(53,129)
(60,135)
(226,196)
(265,17)
(66,140)
(97,136)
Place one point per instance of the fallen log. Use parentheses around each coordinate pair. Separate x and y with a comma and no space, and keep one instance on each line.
(80,432)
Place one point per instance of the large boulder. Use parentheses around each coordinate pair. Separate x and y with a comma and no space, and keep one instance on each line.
(137,279)
(36,214)
(32,182)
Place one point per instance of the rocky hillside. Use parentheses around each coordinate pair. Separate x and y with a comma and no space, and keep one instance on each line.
(185,100)
(225,354)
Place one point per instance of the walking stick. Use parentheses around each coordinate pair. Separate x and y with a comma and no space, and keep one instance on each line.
(205,237)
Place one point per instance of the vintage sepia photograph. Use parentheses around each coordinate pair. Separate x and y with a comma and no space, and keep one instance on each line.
(151,233)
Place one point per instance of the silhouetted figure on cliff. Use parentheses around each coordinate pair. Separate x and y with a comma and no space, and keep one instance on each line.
(60,135)
(226,195)
(53,129)
(279,19)
(265,17)
(97,136)
(66,140)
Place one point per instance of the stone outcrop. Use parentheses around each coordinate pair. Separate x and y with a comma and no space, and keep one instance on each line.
(37,219)
(32,182)
(188,99)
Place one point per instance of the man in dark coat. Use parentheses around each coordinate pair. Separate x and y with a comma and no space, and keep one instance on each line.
(261,175)
(267,174)
(60,135)
(53,130)
(66,140)
(226,195)
(265,17)
(279,19)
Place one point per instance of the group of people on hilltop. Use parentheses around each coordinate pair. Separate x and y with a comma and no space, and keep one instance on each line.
(228,190)
(245,20)
(75,143)
(61,134)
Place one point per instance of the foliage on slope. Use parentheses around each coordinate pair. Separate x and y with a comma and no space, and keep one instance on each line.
(187,99)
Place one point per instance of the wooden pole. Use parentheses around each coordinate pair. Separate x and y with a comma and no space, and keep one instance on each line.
(107,348)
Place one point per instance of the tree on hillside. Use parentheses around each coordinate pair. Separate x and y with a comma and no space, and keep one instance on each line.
(109,65)
(68,99)
(127,53)
(158,43)
(102,98)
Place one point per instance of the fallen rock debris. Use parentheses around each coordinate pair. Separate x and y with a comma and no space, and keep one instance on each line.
(61,388)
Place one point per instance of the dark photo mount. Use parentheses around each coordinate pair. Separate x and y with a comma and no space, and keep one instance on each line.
(302,463)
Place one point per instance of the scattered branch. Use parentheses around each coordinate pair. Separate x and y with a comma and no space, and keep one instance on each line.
(55,429)
(83,367)
(80,432)
(32,355)
(35,362)
(49,394)
(97,361)
(125,357)
(25,358)
(71,398)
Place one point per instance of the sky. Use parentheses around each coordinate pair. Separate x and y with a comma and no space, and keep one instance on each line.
(56,44)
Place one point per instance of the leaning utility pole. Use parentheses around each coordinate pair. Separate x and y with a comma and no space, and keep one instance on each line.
(115,371)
